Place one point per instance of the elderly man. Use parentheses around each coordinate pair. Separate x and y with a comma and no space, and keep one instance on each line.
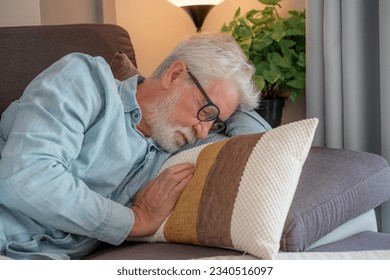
(80,150)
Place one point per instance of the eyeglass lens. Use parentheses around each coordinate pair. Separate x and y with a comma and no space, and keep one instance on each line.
(208,113)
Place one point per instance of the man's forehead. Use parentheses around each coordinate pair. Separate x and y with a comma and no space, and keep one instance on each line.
(226,97)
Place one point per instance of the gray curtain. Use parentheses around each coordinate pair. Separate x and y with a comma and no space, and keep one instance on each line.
(348,74)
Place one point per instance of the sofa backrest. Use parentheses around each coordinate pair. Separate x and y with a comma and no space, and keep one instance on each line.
(26,51)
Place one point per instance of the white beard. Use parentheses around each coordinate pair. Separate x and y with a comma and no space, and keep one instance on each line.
(170,137)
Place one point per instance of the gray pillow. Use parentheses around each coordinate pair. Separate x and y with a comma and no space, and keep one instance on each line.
(335,186)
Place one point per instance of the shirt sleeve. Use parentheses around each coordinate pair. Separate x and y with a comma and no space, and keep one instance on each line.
(45,135)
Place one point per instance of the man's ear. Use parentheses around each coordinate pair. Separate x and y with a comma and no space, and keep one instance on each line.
(175,71)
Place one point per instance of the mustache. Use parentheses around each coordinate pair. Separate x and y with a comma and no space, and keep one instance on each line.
(185,136)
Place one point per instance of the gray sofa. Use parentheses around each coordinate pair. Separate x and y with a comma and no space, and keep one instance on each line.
(337,203)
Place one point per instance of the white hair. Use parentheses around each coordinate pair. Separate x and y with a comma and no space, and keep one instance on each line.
(215,56)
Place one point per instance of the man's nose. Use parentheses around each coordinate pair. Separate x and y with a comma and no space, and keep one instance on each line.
(203,128)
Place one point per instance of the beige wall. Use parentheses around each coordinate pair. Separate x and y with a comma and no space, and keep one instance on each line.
(36,12)
(19,12)
(69,11)
(155,26)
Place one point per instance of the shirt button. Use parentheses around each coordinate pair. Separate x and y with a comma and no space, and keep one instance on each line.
(136,115)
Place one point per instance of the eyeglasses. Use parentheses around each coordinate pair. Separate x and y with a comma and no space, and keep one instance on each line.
(210,111)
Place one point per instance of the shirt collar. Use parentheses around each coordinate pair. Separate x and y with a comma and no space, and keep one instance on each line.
(127,91)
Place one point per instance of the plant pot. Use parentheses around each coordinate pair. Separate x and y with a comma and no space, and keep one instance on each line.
(272,110)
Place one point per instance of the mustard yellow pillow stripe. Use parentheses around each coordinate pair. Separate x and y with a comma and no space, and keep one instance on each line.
(181,224)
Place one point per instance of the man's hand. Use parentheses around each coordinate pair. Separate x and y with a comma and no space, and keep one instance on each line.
(156,200)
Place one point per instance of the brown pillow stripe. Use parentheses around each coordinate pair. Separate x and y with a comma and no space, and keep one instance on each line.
(222,185)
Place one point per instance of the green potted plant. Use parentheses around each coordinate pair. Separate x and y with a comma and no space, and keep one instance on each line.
(277,48)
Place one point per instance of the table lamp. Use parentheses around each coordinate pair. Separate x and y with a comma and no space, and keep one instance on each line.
(196,9)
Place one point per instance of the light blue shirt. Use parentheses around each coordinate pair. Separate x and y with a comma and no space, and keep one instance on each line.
(72,160)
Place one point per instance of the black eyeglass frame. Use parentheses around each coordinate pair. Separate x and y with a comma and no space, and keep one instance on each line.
(218,125)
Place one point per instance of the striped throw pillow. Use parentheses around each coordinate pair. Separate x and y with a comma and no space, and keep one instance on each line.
(241,191)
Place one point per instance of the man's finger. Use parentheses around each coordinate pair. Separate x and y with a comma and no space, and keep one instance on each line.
(176,173)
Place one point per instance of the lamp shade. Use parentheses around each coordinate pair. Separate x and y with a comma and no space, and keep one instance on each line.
(196,9)
(181,3)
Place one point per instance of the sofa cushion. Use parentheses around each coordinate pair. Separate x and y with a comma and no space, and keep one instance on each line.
(122,68)
(241,191)
(156,251)
(335,186)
